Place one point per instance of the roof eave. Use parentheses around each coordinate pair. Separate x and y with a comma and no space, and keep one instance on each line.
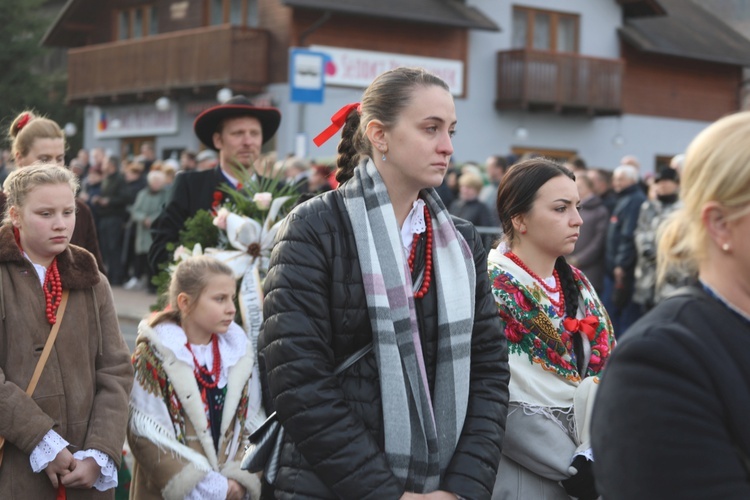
(636,40)
(481,22)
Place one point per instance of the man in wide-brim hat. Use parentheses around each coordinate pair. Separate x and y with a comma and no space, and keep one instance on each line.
(236,130)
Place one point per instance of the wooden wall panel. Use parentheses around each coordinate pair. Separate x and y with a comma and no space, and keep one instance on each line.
(674,87)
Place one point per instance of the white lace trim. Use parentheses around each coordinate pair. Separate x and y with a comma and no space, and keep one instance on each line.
(52,444)
(413,224)
(108,475)
(588,454)
(232,347)
(46,451)
(213,486)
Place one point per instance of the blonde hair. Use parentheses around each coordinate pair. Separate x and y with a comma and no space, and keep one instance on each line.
(472,180)
(716,169)
(21,181)
(27,127)
(190,277)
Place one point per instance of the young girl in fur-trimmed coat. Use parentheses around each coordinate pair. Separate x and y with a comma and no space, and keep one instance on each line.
(196,397)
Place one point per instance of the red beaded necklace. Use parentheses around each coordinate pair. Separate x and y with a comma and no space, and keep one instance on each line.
(559,305)
(428,256)
(52,286)
(215,371)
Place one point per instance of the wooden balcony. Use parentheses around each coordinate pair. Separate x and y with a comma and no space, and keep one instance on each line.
(195,60)
(558,82)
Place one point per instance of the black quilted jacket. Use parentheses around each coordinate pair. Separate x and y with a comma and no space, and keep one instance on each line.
(316,316)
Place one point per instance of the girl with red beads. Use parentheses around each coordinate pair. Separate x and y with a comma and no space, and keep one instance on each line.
(196,397)
(66,437)
(380,262)
(558,332)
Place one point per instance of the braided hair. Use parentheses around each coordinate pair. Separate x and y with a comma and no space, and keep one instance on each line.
(384,100)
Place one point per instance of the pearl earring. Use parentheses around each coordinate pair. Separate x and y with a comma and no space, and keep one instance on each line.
(383,158)
(725,247)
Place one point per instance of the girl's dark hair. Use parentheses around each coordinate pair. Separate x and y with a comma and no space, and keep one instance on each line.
(516,195)
(384,100)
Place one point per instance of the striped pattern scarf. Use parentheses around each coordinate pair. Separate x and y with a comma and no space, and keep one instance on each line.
(421,432)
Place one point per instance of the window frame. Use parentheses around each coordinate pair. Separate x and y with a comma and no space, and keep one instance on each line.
(148,12)
(554,17)
(226,13)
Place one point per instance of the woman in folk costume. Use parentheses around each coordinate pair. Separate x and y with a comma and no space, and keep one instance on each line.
(379,260)
(558,332)
(66,438)
(196,397)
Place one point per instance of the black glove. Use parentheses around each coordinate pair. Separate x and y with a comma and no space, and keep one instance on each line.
(581,485)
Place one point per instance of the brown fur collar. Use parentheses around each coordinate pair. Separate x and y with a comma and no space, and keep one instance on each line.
(77,266)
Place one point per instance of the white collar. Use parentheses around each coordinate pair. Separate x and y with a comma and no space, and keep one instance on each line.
(232,346)
(41,271)
(413,224)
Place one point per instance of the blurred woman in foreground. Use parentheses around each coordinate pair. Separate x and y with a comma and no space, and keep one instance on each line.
(670,420)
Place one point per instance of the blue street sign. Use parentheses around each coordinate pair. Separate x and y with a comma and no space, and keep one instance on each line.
(306,75)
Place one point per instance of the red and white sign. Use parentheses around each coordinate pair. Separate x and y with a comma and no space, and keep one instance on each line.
(358,68)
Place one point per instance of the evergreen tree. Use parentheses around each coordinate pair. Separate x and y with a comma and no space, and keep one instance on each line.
(23,82)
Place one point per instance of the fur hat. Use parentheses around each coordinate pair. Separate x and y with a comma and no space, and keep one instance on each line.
(207,123)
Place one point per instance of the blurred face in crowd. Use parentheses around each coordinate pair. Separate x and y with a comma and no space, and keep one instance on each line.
(665,187)
(44,150)
(620,181)
(239,141)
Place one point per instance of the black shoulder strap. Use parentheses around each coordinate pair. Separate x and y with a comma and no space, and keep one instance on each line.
(352,359)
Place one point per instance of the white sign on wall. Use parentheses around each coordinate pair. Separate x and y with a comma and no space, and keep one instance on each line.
(135,120)
(358,68)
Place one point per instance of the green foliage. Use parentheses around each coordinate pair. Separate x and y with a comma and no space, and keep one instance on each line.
(27,78)
(241,200)
(201,229)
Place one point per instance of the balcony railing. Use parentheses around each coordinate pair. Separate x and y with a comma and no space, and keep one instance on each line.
(215,56)
(561,82)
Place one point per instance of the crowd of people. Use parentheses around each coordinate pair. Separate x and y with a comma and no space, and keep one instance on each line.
(586,346)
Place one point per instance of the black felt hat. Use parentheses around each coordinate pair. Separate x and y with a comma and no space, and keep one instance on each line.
(667,174)
(207,123)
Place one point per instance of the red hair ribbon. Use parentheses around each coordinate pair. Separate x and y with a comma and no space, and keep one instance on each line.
(23,121)
(338,121)
(587,325)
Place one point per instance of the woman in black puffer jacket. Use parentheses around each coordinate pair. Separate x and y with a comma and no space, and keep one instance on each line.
(424,411)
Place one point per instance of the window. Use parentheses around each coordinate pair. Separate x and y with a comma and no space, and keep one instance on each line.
(544,30)
(136,22)
(235,12)
(561,155)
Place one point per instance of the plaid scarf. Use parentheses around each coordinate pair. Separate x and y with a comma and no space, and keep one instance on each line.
(421,431)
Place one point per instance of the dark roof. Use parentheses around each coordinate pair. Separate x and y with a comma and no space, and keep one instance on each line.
(453,13)
(641,8)
(72,25)
(688,30)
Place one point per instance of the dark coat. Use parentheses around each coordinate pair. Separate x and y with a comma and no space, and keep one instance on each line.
(316,316)
(84,234)
(620,249)
(83,391)
(670,418)
(191,191)
(588,255)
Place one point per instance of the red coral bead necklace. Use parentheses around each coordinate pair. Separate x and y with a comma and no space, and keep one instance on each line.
(558,304)
(215,370)
(428,256)
(52,285)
